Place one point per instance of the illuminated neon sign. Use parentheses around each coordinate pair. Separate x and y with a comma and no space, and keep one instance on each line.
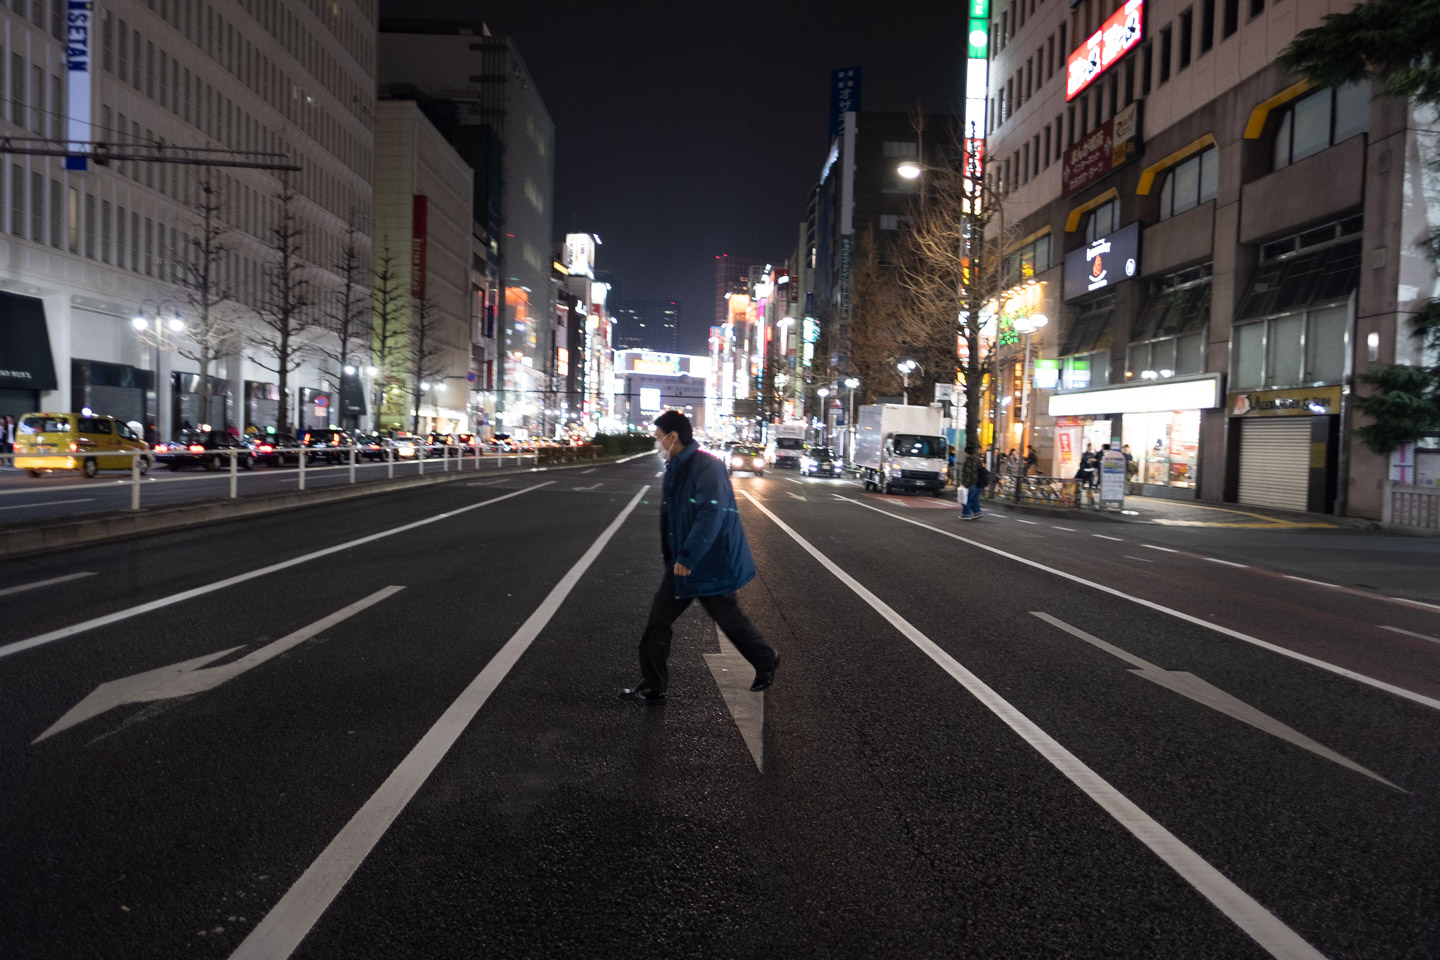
(1104,48)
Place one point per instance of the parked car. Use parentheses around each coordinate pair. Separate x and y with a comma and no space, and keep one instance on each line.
(375,446)
(442,445)
(204,448)
(273,449)
(821,462)
(746,459)
(324,443)
(95,442)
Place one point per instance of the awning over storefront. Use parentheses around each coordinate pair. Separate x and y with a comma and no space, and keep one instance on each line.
(25,359)
(1152,396)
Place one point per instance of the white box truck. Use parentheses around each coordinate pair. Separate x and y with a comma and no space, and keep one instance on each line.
(789,439)
(901,447)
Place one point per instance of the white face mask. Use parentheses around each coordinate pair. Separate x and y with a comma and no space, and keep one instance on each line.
(660,450)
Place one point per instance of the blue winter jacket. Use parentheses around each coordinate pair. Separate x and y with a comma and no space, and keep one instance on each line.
(700,526)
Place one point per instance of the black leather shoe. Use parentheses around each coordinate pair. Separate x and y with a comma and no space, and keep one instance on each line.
(763,678)
(642,695)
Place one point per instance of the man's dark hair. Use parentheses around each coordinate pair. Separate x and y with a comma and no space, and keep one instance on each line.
(673,421)
(969,448)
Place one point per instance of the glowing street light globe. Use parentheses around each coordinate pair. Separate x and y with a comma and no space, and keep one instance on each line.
(910,170)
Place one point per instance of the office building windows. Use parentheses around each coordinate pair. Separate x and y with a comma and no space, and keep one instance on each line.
(1190,183)
(1319,120)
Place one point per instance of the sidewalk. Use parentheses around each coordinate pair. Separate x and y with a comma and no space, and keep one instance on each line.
(1193,513)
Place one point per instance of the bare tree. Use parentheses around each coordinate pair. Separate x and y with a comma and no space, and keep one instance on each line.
(344,315)
(877,321)
(426,351)
(286,318)
(950,260)
(388,344)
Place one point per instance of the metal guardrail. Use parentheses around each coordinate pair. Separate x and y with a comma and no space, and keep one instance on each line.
(1064,492)
(477,456)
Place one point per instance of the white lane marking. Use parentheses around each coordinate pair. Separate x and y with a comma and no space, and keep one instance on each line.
(1243,566)
(1130,556)
(593,486)
(1152,605)
(796,495)
(1066,529)
(636,456)
(793,480)
(47,503)
(1207,695)
(1412,633)
(1151,546)
(292,918)
(591,470)
(187,678)
(1032,523)
(1260,924)
(135,611)
(731,673)
(45,583)
(486,483)
(1418,602)
(1318,583)
(1103,537)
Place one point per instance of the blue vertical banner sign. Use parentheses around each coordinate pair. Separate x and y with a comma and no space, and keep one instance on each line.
(79,47)
(844,97)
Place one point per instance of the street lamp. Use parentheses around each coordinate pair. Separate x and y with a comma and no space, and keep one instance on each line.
(852,383)
(1027,325)
(822,393)
(905,367)
(141,323)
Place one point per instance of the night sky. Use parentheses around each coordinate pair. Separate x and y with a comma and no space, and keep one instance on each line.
(686,130)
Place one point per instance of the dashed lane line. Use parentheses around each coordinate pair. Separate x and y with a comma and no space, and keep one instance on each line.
(45,583)
(1412,633)
(1141,559)
(1103,537)
(174,598)
(1151,546)
(1178,614)
(1242,566)
(1066,529)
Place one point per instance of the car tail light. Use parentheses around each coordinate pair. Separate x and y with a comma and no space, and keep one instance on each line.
(74,447)
(196,448)
(266,448)
(161,447)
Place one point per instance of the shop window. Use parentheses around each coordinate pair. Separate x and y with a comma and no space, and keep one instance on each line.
(1247,354)
(1029,260)
(1306,347)
(1102,220)
(1325,345)
(1085,370)
(1190,183)
(1320,120)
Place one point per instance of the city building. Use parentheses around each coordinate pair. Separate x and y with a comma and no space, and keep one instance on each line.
(1220,248)
(647,325)
(147,271)
(651,382)
(487,105)
(423,225)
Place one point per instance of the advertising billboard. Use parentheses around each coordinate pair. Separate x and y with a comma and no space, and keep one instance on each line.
(1104,263)
(1108,147)
(1116,37)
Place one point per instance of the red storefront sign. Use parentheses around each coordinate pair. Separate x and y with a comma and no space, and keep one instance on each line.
(1108,146)
(1116,37)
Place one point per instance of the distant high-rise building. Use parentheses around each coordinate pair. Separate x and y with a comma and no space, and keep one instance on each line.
(648,325)
(732,275)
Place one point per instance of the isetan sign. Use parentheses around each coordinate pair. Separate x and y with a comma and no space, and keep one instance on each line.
(1100,51)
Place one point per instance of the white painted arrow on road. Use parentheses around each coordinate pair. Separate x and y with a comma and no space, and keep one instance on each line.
(185,679)
(733,675)
(1189,685)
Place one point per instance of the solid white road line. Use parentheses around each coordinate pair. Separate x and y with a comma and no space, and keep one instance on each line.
(289,921)
(44,583)
(1318,583)
(135,611)
(591,470)
(1243,566)
(1103,537)
(1066,529)
(1418,602)
(1151,546)
(1141,559)
(1260,924)
(1031,522)
(1152,605)
(47,503)
(1412,633)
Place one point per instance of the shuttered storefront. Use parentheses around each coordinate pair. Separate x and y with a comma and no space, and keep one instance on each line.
(1275,462)
(123,403)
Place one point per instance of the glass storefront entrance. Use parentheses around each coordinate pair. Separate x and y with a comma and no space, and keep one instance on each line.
(1165,446)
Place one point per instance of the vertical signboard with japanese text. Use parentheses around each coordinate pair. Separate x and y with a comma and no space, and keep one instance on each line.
(844,97)
(419,234)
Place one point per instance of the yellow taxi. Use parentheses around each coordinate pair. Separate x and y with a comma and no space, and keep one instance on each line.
(94,443)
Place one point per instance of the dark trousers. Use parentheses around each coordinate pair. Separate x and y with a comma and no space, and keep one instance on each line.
(666,608)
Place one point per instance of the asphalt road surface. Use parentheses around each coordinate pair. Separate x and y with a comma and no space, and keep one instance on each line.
(394,732)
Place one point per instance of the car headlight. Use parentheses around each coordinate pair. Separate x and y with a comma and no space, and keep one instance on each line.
(737,462)
(807,462)
(759,462)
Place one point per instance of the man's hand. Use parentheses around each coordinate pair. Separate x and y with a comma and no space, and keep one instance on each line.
(681,570)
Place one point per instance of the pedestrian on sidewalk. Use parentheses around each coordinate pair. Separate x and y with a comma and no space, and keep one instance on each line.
(706,557)
(973,478)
